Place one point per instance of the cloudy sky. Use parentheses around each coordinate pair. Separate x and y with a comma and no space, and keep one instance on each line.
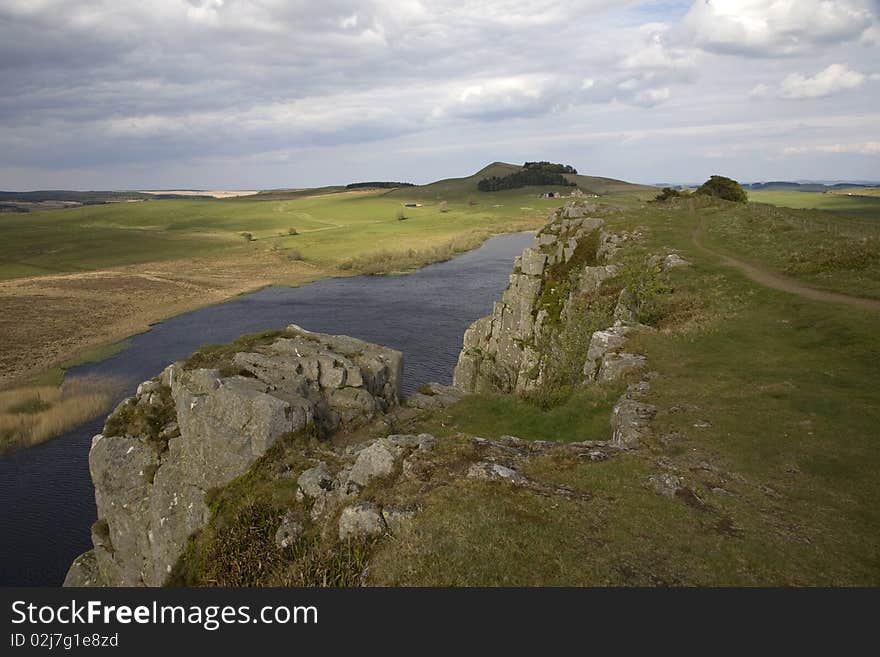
(103,94)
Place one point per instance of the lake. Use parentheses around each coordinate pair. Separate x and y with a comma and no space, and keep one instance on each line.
(45,491)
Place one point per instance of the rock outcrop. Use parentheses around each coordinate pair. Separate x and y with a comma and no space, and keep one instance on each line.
(572,256)
(194,429)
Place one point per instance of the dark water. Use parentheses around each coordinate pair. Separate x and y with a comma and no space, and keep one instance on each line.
(46,494)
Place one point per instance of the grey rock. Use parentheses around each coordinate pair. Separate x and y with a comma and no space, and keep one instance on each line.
(150,503)
(360,521)
(616,365)
(631,423)
(435,395)
(396,519)
(533,262)
(627,308)
(316,481)
(673,261)
(289,531)
(83,571)
(496,472)
(373,462)
(666,484)
(602,343)
(500,351)
(147,387)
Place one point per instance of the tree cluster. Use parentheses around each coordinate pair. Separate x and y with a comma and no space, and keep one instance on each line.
(532,173)
(725,188)
(378,185)
(550,167)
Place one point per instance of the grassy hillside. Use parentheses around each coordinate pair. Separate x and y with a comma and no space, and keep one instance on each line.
(462,188)
(768,413)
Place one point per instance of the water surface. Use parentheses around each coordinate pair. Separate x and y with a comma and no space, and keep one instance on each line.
(45,491)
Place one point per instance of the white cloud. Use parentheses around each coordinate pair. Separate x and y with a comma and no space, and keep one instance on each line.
(831,80)
(656,51)
(770,28)
(110,84)
(863,148)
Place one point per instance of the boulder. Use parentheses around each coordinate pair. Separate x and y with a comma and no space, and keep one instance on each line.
(616,365)
(631,422)
(289,531)
(360,521)
(373,462)
(315,482)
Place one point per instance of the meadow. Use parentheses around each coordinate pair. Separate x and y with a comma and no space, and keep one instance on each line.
(323,229)
(858,202)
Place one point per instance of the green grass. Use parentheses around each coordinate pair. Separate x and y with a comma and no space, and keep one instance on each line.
(861,204)
(782,485)
(584,415)
(838,251)
(55,376)
(332,225)
(330,229)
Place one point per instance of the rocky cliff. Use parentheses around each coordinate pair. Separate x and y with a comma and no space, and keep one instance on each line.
(201,424)
(571,258)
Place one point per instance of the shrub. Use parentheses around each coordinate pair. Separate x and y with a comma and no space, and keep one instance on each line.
(723,188)
(667,193)
(292,231)
(248,237)
(294,254)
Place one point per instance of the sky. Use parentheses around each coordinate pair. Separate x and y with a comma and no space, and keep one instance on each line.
(261,94)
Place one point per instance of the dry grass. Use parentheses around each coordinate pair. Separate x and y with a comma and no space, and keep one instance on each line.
(35,414)
(389,261)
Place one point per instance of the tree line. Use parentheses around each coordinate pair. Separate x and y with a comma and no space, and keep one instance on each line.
(379,185)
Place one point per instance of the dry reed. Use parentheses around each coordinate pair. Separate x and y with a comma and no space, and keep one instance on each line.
(34,414)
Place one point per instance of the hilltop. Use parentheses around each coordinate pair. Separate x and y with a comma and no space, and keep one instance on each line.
(458,188)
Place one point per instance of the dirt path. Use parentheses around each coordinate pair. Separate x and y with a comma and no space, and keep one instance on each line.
(778,281)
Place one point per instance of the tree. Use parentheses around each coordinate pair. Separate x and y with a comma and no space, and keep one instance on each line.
(725,188)
(667,193)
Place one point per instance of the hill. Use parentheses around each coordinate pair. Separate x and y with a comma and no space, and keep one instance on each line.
(456,188)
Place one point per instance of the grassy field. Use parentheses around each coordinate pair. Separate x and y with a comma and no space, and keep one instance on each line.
(768,412)
(861,203)
(837,248)
(329,229)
